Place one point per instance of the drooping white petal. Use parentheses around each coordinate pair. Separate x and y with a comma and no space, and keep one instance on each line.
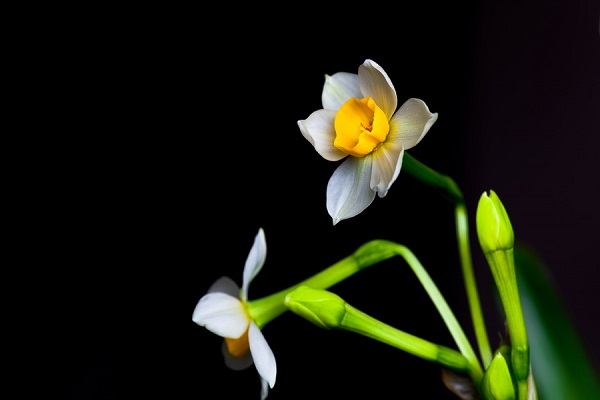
(319,130)
(387,162)
(236,363)
(225,285)
(348,189)
(221,314)
(411,122)
(338,89)
(264,389)
(254,262)
(375,82)
(263,356)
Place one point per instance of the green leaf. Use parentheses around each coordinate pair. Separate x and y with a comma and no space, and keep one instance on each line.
(561,367)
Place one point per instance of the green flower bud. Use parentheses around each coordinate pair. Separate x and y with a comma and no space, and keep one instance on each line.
(322,308)
(497,382)
(497,242)
(493,225)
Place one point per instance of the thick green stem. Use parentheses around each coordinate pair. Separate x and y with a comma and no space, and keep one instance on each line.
(503,269)
(357,321)
(329,311)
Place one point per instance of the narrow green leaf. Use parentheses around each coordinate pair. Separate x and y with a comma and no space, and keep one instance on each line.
(561,367)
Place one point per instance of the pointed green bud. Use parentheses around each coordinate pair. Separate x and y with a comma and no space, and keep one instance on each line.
(494,229)
(320,307)
(497,383)
(497,242)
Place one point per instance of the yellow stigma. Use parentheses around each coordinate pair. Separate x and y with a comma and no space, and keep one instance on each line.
(360,127)
(238,347)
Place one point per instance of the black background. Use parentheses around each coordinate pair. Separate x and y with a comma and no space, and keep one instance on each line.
(517,90)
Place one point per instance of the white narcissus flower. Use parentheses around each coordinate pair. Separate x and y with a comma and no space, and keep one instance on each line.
(359,122)
(223,311)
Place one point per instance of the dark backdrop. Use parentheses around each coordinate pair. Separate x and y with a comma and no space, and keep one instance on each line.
(516,87)
(517,90)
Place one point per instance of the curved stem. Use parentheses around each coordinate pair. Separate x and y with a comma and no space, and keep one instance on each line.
(449,190)
(329,311)
(265,309)
(447,315)
(357,321)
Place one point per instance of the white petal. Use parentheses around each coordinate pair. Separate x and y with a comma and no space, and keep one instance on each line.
(375,82)
(411,122)
(264,389)
(254,262)
(319,131)
(348,189)
(236,363)
(221,314)
(387,162)
(338,89)
(225,285)
(264,360)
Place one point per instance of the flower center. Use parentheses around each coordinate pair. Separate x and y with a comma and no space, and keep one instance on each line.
(238,347)
(360,127)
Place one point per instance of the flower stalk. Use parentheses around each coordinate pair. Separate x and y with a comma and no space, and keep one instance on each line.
(328,310)
(448,189)
(265,309)
(496,238)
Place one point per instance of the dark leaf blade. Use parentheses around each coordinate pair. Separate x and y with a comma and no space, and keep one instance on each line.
(561,367)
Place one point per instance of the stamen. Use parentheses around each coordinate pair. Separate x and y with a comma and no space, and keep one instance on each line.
(360,127)
(238,347)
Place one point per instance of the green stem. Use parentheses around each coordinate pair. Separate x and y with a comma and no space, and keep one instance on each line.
(357,321)
(462,233)
(265,309)
(447,315)
(523,389)
(503,270)
(327,310)
(443,184)
(448,189)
